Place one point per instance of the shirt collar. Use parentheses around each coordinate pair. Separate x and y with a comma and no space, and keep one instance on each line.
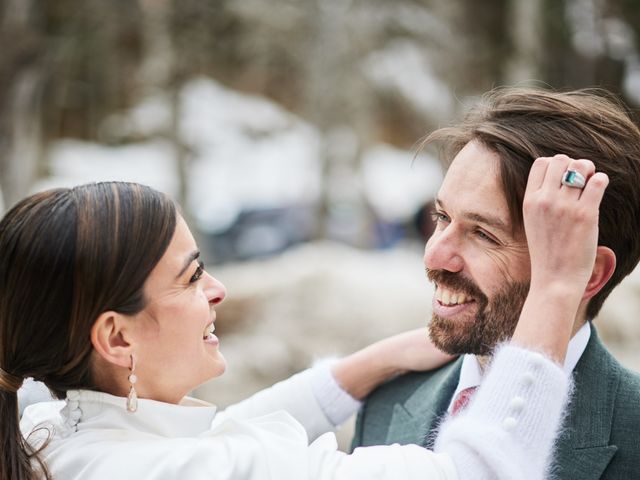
(92,409)
(471,373)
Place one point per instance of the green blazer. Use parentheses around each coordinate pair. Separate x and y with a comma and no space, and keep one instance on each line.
(601,433)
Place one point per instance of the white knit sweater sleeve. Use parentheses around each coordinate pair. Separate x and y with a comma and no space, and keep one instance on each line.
(508,430)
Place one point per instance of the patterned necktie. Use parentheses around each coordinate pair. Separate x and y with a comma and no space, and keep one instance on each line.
(462,400)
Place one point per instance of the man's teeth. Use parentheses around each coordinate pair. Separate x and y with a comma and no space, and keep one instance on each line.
(447,297)
(208,331)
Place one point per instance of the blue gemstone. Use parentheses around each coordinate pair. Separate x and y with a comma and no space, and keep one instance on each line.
(570,176)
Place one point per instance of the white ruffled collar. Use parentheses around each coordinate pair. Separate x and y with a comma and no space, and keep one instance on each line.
(96,409)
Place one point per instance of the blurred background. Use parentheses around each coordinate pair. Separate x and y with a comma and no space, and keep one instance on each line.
(287,129)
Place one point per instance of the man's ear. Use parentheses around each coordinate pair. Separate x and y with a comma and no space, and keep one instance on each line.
(110,337)
(603,268)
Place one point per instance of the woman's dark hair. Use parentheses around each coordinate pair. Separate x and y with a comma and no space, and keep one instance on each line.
(522,124)
(66,256)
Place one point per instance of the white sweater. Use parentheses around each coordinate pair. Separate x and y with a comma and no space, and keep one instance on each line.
(507,432)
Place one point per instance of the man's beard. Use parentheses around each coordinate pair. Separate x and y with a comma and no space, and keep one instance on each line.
(494,323)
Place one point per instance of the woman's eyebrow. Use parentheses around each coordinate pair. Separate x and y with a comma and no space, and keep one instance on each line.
(190,258)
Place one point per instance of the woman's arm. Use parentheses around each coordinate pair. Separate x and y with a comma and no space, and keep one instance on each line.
(323,397)
(360,373)
(561,225)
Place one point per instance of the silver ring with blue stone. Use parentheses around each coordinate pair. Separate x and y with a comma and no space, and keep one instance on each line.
(573,179)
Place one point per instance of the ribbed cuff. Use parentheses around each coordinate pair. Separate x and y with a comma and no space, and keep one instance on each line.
(335,402)
(511,421)
(533,391)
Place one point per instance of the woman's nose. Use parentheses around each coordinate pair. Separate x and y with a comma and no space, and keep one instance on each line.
(442,252)
(215,290)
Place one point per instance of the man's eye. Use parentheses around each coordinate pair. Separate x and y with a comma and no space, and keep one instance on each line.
(485,237)
(198,273)
(439,216)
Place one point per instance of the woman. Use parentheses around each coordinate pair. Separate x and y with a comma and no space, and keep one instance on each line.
(104,299)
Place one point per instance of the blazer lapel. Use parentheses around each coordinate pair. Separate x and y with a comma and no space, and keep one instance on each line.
(415,420)
(583,450)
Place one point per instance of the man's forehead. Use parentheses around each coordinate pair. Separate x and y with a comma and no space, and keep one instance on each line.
(472,188)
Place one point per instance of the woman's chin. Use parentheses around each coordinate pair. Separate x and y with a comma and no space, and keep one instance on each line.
(219,366)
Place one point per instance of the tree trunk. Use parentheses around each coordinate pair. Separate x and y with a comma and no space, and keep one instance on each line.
(160,73)
(21,81)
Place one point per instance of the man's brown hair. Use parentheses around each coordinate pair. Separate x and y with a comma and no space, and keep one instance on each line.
(522,124)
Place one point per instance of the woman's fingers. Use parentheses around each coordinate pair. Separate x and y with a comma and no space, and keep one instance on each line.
(561,221)
(537,173)
(586,168)
(558,164)
(594,190)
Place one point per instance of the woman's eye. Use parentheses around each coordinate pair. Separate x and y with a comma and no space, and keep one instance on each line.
(198,273)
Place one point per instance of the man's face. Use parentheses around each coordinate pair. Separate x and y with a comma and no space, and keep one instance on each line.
(480,266)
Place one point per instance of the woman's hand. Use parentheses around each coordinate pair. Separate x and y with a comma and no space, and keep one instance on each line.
(561,224)
(364,370)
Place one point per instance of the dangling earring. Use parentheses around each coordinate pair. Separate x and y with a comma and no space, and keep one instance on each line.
(132,398)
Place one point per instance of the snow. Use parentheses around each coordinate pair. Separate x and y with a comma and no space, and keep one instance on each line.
(595,35)
(245,153)
(398,183)
(403,68)
(74,162)
(150,116)
(249,153)
(587,38)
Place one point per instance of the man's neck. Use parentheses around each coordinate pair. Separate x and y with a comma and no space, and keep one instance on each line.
(483,362)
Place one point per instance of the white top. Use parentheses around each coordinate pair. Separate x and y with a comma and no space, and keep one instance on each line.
(471,373)
(92,436)
(336,403)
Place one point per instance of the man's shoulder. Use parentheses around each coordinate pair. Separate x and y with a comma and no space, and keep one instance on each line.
(598,367)
(629,386)
(403,409)
(627,393)
(404,388)
(599,440)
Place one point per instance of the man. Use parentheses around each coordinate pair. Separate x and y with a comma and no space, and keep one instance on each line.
(478,259)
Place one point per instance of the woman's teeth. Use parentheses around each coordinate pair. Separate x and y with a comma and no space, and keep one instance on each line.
(208,331)
(447,297)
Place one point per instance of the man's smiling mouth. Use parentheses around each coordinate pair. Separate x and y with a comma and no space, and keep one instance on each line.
(447,296)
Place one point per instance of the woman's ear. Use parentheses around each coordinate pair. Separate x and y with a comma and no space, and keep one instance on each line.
(603,268)
(111,340)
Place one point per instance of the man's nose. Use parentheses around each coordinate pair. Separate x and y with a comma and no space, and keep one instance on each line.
(214,289)
(443,252)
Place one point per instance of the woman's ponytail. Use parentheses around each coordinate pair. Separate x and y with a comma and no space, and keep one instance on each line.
(15,461)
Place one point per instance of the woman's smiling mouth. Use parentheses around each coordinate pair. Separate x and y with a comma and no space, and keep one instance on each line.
(208,335)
